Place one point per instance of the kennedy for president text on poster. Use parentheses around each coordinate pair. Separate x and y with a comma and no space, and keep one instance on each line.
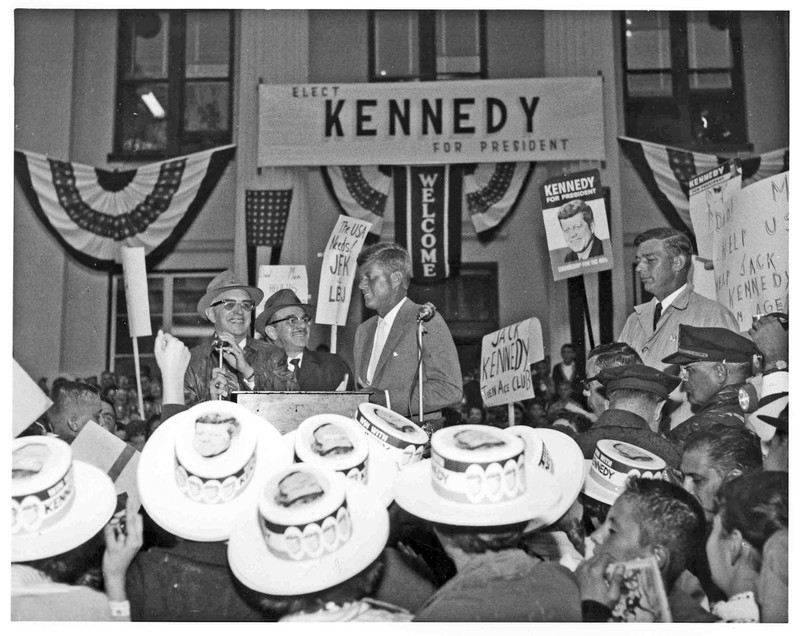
(576,224)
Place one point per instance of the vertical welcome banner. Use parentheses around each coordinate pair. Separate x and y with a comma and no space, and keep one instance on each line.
(428,219)
(339,270)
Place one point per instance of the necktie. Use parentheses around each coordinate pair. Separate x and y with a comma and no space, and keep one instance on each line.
(656,315)
(377,347)
(295,362)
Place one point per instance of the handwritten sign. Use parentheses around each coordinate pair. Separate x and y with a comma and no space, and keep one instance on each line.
(506,358)
(339,270)
(28,400)
(710,196)
(272,278)
(751,251)
(135,276)
(576,224)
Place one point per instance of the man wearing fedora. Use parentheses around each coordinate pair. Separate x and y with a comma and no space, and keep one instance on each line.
(637,395)
(286,322)
(715,363)
(247,364)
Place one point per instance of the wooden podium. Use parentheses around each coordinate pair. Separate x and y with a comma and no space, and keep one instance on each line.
(285,410)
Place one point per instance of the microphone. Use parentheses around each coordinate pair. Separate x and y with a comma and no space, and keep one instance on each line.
(426,312)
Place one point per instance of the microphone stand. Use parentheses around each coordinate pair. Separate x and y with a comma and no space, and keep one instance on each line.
(419,352)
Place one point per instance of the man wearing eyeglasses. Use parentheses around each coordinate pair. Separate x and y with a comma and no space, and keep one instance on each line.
(231,360)
(286,322)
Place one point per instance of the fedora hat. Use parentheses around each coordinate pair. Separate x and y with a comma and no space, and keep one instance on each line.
(560,455)
(203,466)
(280,299)
(612,463)
(311,529)
(57,503)
(477,476)
(365,460)
(224,282)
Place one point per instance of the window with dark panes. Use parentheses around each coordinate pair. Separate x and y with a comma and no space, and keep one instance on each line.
(174,82)
(173,301)
(426,45)
(683,78)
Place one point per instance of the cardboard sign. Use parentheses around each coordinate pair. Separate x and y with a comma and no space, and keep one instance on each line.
(710,196)
(751,251)
(272,278)
(97,446)
(339,270)
(407,123)
(28,400)
(576,224)
(135,277)
(506,358)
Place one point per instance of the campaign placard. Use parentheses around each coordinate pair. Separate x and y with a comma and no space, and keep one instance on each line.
(339,270)
(506,358)
(710,196)
(576,224)
(751,251)
(135,277)
(28,401)
(272,278)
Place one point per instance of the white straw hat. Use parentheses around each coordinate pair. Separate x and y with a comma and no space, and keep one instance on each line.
(612,463)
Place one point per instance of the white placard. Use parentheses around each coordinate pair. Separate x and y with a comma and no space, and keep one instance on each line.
(506,357)
(28,400)
(135,276)
(408,123)
(710,196)
(272,278)
(339,270)
(751,251)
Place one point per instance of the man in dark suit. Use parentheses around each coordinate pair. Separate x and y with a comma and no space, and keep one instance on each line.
(567,371)
(577,222)
(286,322)
(385,350)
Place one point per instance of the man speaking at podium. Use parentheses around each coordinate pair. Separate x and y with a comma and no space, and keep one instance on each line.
(385,350)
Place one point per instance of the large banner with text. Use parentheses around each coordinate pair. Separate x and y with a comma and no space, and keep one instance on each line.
(480,121)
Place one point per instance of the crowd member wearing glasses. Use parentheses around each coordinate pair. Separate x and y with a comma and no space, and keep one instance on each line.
(231,360)
(286,322)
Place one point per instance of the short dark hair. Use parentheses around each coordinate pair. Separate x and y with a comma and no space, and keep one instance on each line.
(567,345)
(757,505)
(729,448)
(477,540)
(676,243)
(576,206)
(669,516)
(390,256)
(614,354)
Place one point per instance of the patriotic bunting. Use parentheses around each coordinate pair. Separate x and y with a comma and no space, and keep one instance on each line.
(491,192)
(94,212)
(360,191)
(666,173)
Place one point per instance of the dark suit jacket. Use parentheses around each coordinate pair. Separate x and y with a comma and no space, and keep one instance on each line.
(442,382)
(323,371)
(596,250)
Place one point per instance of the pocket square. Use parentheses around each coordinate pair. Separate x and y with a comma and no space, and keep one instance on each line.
(394,354)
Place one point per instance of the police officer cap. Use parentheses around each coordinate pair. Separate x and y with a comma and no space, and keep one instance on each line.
(638,377)
(711,344)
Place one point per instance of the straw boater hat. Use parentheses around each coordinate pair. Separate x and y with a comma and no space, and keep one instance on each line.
(561,456)
(477,476)
(203,466)
(613,463)
(279,300)
(312,529)
(57,503)
(224,282)
(339,443)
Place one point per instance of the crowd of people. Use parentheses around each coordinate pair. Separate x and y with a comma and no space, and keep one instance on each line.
(648,482)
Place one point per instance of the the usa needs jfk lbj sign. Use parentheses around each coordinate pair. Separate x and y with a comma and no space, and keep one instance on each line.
(480,121)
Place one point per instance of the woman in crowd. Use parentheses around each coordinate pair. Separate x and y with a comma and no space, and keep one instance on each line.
(750,509)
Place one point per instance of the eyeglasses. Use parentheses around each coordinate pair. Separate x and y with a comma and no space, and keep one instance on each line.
(230,305)
(293,320)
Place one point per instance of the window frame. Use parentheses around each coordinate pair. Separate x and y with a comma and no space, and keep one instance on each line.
(680,102)
(179,140)
(426,49)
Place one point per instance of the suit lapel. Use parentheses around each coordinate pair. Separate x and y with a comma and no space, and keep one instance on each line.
(308,367)
(401,323)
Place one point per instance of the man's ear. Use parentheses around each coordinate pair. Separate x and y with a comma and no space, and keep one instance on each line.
(734,546)
(722,372)
(210,314)
(271,332)
(662,557)
(72,423)
(396,278)
(657,414)
(679,262)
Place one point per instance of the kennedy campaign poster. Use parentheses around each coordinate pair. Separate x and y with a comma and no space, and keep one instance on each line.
(339,270)
(710,196)
(406,123)
(576,224)
(506,358)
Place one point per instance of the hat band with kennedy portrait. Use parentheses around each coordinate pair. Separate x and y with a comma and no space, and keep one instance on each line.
(400,437)
(614,461)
